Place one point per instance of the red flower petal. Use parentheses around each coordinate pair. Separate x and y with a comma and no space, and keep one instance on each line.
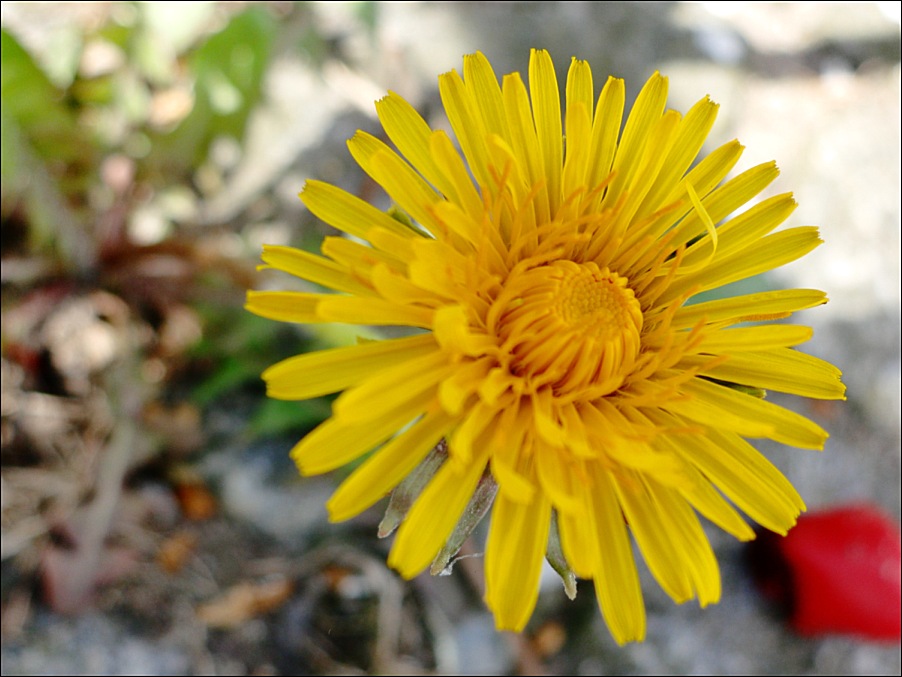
(838,571)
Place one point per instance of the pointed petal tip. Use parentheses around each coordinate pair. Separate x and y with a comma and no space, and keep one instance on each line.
(440,565)
(387,527)
(570,586)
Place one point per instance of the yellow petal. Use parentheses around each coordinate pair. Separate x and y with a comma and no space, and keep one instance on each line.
(407,188)
(359,258)
(455,390)
(388,466)
(644,169)
(463,114)
(546,109)
(511,444)
(453,332)
(461,189)
(624,440)
(574,428)
(783,370)
(579,128)
(515,551)
(346,212)
(719,413)
(578,540)
(558,476)
(416,376)
(495,385)
(328,371)
(474,422)
(410,133)
(704,498)
(524,142)
(395,248)
(747,478)
(482,84)
(616,579)
(766,254)
(642,119)
(397,288)
(723,201)
(605,130)
(286,306)
(335,443)
(372,311)
(314,268)
(690,137)
(749,307)
(434,515)
(546,425)
(748,227)
(697,488)
(648,524)
(696,557)
(722,407)
(580,91)
(455,223)
(747,339)
(710,171)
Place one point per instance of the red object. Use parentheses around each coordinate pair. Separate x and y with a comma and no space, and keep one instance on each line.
(837,571)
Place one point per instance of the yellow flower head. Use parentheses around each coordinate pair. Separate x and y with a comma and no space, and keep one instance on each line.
(548,262)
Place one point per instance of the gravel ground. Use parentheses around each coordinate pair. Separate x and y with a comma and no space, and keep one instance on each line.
(814,86)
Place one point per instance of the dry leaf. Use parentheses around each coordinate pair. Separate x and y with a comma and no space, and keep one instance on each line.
(243,602)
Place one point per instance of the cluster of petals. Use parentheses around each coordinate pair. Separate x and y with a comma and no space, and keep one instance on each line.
(544,262)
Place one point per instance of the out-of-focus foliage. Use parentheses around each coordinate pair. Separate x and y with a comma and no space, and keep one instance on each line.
(143,91)
(101,149)
(46,160)
(123,319)
(228,71)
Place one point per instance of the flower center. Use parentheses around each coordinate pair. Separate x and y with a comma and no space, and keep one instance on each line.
(573,326)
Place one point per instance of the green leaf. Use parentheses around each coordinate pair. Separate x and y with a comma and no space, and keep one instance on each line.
(36,105)
(278,417)
(45,157)
(230,374)
(229,70)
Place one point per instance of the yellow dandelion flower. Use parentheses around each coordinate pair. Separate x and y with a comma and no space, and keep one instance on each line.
(549,260)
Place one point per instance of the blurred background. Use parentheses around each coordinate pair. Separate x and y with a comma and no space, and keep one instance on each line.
(151,519)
